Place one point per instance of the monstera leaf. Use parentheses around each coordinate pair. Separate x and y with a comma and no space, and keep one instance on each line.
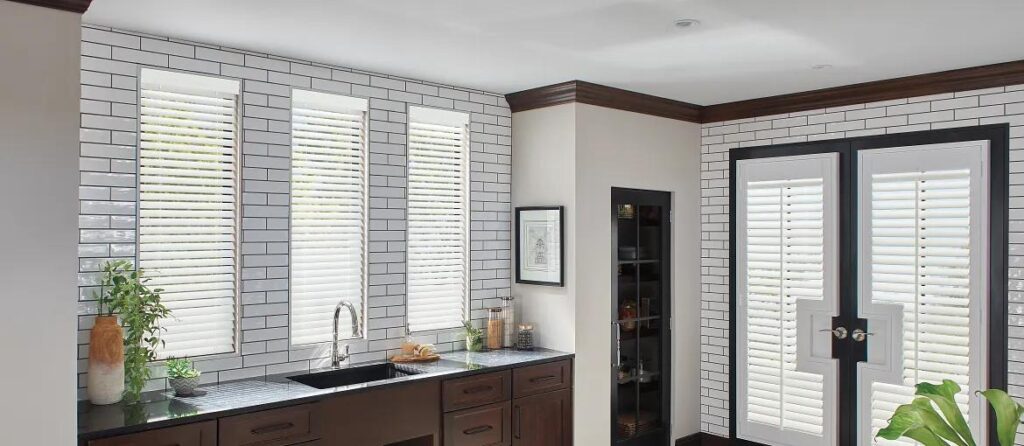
(921,422)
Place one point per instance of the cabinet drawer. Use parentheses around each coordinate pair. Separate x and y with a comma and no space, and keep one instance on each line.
(476,390)
(196,434)
(541,378)
(480,426)
(277,427)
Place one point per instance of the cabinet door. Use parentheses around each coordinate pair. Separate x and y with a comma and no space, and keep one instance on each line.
(543,420)
(195,434)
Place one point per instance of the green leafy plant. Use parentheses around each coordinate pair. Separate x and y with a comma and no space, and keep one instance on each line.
(474,336)
(921,422)
(127,295)
(181,368)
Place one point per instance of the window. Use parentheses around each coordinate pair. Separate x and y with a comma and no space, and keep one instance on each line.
(786,260)
(924,232)
(188,207)
(328,211)
(438,219)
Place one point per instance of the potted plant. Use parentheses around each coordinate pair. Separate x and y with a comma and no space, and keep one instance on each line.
(182,376)
(126,296)
(921,422)
(474,337)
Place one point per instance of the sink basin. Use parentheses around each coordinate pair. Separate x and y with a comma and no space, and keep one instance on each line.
(350,376)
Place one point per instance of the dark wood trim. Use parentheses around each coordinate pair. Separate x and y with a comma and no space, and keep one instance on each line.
(987,76)
(707,439)
(78,6)
(603,96)
(690,440)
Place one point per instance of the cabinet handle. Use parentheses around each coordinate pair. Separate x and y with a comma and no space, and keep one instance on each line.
(272,428)
(477,389)
(519,422)
(542,378)
(477,430)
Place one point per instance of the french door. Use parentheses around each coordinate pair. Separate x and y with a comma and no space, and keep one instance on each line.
(859,268)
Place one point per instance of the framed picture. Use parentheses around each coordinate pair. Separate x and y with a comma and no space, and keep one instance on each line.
(539,247)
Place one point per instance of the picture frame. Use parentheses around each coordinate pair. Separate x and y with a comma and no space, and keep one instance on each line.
(540,245)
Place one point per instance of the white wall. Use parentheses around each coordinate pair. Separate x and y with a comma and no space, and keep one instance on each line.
(543,174)
(39,93)
(574,154)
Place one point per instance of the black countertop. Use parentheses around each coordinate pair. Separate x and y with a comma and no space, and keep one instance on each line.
(162,409)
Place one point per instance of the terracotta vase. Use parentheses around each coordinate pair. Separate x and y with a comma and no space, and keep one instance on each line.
(106,361)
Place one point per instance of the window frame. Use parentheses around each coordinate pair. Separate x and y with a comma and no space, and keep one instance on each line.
(998,136)
(239,192)
(467,235)
(364,298)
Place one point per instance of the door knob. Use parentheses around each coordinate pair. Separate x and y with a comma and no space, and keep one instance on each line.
(838,332)
(860,335)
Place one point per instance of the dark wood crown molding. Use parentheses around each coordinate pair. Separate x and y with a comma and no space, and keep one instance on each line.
(78,6)
(987,76)
(973,78)
(600,95)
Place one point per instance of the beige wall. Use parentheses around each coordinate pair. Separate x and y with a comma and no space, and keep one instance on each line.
(577,167)
(39,90)
(543,174)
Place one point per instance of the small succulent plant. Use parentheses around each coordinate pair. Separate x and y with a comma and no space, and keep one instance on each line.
(181,368)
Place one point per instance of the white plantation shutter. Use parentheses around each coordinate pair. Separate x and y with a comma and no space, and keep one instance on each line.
(926,245)
(328,212)
(784,209)
(188,196)
(438,219)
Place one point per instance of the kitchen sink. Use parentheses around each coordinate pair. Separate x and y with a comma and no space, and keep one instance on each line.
(351,375)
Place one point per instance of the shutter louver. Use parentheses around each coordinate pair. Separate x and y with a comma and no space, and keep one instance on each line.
(438,215)
(785,257)
(188,192)
(328,212)
(921,255)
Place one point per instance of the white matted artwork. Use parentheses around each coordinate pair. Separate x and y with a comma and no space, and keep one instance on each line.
(539,247)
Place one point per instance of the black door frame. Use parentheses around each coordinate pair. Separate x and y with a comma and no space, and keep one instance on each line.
(642,197)
(998,137)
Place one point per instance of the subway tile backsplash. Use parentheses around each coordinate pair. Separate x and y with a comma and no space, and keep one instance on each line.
(111,60)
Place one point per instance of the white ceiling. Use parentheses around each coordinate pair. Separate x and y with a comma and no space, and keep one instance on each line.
(744,48)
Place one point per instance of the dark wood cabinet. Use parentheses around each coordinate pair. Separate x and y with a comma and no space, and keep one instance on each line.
(543,420)
(521,406)
(392,415)
(278,427)
(195,434)
(489,425)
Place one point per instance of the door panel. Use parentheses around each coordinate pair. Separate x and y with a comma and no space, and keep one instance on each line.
(923,234)
(787,295)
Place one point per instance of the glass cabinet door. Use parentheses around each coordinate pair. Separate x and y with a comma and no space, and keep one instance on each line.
(640,253)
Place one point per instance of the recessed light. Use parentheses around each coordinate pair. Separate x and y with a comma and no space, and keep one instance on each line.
(687,23)
(821,66)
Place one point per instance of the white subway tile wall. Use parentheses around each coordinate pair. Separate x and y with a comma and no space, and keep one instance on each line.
(111,60)
(961,109)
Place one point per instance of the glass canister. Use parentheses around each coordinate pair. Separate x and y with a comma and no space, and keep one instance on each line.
(508,310)
(495,329)
(525,339)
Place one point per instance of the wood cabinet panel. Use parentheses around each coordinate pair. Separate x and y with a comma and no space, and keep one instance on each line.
(489,425)
(195,434)
(390,415)
(276,427)
(541,378)
(472,391)
(543,420)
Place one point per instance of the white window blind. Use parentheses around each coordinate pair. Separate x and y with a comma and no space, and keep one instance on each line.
(188,215)
(328,212)
(785,208)
(923,259)
(438,219)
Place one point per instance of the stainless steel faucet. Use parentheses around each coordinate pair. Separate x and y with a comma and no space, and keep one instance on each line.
(357,330)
